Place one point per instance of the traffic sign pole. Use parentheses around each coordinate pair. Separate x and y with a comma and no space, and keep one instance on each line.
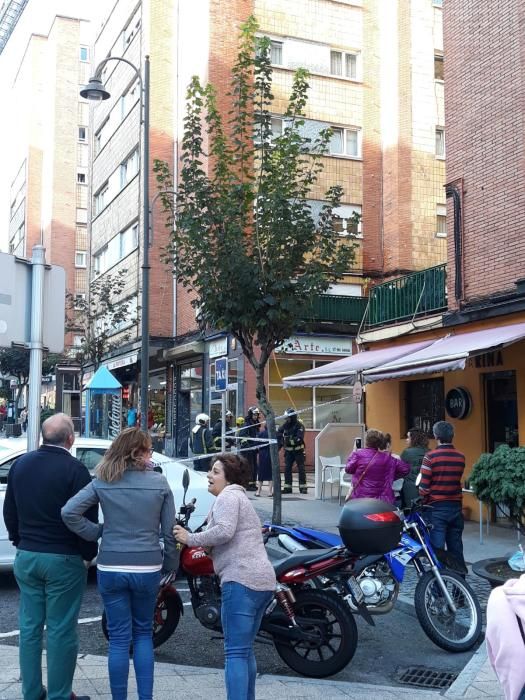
(38,262)
(221,383)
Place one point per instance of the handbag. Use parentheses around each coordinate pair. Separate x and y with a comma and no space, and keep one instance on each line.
(352,486)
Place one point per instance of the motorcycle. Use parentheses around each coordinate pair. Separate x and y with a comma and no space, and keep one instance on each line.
(446,606)
(313,631)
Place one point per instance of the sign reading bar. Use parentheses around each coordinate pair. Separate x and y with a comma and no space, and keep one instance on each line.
(316,345)
(458,403)
(218,347)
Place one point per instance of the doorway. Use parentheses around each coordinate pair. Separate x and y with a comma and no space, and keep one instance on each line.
(501,409)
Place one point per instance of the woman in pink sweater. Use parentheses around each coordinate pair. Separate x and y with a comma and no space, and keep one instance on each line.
(235,543)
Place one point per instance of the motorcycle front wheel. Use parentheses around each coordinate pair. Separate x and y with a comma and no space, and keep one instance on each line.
(323,615)
(166,617)
(454,632)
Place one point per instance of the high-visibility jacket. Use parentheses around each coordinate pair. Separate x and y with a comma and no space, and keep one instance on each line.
(291,435)
(201,440)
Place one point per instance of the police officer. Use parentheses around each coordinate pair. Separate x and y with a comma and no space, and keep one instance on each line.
(251,430)
(201,442)
(290,436)
(217,432)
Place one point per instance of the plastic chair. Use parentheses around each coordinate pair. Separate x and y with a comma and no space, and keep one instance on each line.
(343,483)
(331,474)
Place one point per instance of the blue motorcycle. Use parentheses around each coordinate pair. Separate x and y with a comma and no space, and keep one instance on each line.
(446,606)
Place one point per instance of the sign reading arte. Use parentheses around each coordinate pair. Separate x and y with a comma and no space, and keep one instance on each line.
(316,345)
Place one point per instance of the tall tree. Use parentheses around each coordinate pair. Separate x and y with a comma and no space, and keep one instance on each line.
(245,239)
(98,318)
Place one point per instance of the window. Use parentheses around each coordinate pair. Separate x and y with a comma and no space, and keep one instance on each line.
(129,168)
(131,30)
(425,404)
(437,3)
(79,299)
(80,258)
(82,155)
(345,142)
(101,198)
(129,98)
(331,404)
(439,67)
(128,240)
(81,178)
(77,340)
(440,142)
(344,221)
(101,136)
(84,53)
(343,64)
(118,247)
(441,221)
(81,197)
(81,133)
(276,53)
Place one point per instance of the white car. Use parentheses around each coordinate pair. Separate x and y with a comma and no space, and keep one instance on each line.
(89,451)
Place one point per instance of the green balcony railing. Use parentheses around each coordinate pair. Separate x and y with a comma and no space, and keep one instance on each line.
(337,309)
(418,294)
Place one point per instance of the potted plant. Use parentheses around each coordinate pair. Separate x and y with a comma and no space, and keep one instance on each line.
(498,479)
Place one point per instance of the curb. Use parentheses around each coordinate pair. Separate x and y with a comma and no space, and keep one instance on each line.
(465,679)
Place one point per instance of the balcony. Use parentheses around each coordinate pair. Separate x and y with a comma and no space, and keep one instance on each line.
(418,294)
(331,308)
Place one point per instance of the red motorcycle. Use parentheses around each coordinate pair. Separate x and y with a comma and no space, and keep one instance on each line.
(312,630)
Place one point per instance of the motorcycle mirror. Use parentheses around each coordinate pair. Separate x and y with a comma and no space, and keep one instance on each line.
(185,482)
(418,479)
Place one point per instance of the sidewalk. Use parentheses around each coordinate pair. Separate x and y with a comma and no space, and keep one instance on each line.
(172,681)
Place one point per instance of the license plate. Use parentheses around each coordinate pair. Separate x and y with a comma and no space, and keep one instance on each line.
(356,589)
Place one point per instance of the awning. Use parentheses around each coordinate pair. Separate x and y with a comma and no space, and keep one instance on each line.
(344,371)
(447,354)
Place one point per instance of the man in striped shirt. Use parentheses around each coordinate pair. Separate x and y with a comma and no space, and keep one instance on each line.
(440,487)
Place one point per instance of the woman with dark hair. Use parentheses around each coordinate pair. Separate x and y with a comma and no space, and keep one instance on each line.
(137,504)
(416,449)
(374,469)
(234,540)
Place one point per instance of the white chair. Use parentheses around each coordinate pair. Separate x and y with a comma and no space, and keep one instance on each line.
(331,474)
(345,481)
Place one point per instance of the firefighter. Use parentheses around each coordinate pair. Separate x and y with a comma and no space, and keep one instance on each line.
(251,430)
(201,442)
(217,432)
(290,436)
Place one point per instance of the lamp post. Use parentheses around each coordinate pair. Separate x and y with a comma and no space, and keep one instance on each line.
(96,91)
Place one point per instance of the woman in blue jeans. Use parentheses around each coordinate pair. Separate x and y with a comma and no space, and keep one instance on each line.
(137,505)
(234,540)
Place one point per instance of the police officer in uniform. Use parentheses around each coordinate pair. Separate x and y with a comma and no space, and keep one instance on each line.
(201,442)
(290,436)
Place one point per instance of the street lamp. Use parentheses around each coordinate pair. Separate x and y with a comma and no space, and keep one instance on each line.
(96,91)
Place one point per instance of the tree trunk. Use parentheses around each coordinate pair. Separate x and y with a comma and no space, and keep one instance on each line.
(266,407)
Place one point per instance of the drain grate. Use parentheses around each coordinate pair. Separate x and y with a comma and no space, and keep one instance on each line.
(425,677)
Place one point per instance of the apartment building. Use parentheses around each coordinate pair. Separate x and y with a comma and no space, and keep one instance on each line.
(376,79)
(48,164)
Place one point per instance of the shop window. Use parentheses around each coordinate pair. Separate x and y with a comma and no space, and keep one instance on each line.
(425,404)
(321,405)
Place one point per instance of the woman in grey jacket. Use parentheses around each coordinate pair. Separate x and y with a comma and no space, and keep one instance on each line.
(135,501)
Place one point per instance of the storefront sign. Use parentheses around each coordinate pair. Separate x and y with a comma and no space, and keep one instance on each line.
(115,415)
(122,361)
(221,374)
(316,345)
(458,403)
(218,347)
(488,359)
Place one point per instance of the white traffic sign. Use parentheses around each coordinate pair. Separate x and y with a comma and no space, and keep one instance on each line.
(15,303)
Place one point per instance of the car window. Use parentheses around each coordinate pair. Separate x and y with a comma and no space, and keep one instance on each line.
(90,456)
(5,467)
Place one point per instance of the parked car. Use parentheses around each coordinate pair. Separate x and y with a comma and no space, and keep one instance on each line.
(90,451)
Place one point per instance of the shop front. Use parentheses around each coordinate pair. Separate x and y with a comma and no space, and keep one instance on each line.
(478,385)
(317,405)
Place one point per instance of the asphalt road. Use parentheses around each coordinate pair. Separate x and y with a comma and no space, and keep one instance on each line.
(396,642)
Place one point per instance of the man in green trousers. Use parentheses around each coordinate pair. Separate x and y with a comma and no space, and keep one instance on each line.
(51,562)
